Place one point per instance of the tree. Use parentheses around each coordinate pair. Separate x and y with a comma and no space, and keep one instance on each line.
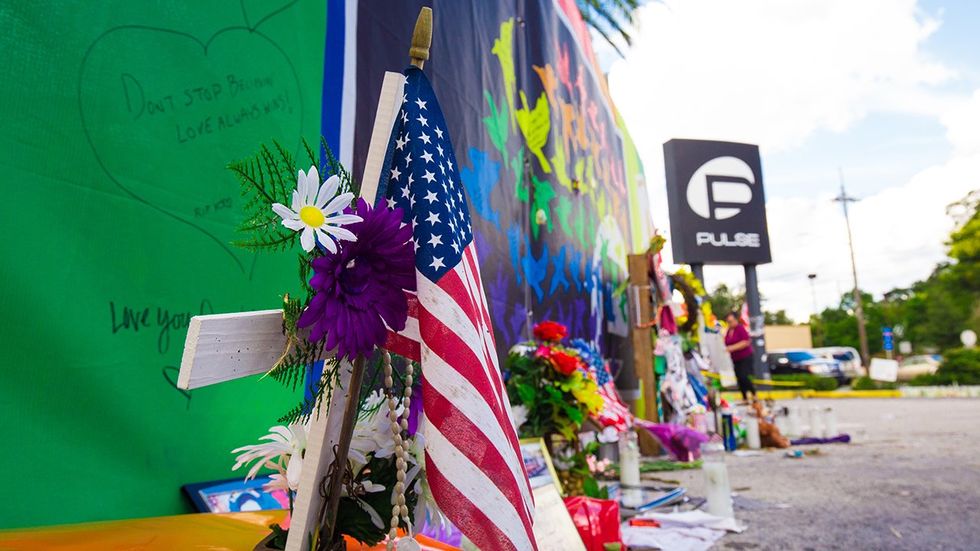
(609,17)
(724,300)
(933,311)
(778,317)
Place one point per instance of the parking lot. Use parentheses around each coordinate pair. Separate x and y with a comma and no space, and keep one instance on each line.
(910,480)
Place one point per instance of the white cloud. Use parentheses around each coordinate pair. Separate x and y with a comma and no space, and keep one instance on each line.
(898,238)
(773,72)
(962,121)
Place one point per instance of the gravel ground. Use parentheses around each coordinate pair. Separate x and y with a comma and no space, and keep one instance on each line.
(911,480)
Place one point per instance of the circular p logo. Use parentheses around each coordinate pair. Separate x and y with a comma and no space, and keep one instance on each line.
(720,187)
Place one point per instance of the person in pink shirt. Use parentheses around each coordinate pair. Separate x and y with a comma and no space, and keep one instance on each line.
(739,346)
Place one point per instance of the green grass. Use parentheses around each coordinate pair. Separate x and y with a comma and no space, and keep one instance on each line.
(867,383)
(813,382)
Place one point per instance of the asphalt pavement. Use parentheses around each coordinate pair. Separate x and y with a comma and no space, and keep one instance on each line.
(910,480)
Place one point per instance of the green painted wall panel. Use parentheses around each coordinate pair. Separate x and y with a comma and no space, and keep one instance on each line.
(117,120)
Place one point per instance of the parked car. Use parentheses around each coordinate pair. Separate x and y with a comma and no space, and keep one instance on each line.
(789,362)
(850,360)
(909,367)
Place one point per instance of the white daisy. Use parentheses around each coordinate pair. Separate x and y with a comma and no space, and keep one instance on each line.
(283,453)
(316,211)
(372,431)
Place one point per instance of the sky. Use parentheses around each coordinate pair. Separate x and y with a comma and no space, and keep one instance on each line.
(884,93)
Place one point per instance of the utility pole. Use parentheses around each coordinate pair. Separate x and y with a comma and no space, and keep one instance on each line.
(814,320)
(844,199)
(813,292)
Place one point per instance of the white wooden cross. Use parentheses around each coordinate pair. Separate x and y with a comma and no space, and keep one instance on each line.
(222,347)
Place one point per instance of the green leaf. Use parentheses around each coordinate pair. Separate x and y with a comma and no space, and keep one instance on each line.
(525,393)
(553,393)
(574,414)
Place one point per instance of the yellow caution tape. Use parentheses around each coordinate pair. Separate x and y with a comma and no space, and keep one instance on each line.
(766,382)
(807,393)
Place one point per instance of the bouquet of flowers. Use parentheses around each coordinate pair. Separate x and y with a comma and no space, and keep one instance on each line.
(550,389)
(552,392)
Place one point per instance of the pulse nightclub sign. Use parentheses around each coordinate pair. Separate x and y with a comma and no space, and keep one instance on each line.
(717,206)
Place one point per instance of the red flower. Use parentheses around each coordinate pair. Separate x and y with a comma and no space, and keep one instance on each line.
(565,363)
(550,331)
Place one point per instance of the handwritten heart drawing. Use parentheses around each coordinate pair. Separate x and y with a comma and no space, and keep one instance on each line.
(170,373)
(164,112)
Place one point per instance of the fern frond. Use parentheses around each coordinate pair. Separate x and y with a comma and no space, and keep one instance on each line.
(270,241)
(309,153)
(320,391)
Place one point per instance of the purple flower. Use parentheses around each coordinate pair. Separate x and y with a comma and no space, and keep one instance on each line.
(361,286)
(414,413)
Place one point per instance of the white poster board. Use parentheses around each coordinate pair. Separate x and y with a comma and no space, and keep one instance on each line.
(553,527)
(883,370)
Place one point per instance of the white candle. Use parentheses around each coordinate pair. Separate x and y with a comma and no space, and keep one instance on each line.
(782,424)
(816,426)
(629,459)
(752,432)
(717,489)
(793,431)
(830,423)
(629,470)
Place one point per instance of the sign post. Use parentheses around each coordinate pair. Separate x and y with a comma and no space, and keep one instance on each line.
(887,341)
(718,216)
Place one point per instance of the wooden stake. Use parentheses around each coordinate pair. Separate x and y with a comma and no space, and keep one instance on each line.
(640,334)
(329,518)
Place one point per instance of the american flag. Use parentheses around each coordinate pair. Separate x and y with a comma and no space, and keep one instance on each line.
(472,456)
(614,412)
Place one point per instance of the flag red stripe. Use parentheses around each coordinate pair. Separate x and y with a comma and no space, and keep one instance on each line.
(472,273)
(403,346)
(482,373)
(473,522)
(453,285)
(413,304)
(474,267)
(448,420)
(445,343)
